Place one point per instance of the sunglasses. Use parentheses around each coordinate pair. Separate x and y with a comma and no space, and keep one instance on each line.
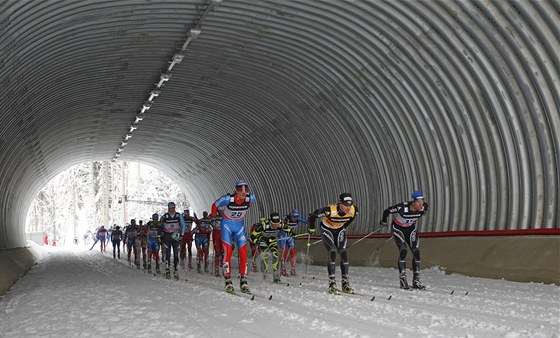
(243,187)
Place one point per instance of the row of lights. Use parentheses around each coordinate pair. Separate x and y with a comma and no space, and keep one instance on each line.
(164,77)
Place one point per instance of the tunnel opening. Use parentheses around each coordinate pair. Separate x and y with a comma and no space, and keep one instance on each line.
(72,205)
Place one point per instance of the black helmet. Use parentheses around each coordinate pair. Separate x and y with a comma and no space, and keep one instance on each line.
(274,217)
(346,199)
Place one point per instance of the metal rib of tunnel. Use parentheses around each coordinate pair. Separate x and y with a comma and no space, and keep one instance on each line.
(304,99)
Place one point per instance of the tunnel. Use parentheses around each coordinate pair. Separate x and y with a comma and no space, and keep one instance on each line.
(304,100)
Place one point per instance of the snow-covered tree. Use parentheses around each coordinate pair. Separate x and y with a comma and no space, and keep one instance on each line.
(89,195)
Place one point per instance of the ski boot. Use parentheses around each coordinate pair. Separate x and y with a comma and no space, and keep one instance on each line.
(158,271)
(333,289)
(182,264)
(416,283)
(198,268)
(293,271)
(150,269)
(176,274)
(229,285)
(144,265)
(284,272)
(190,264)
(403,281)
(243,285)
(346,288)
(167,273)
(206,267)
(217,272)
(276,279)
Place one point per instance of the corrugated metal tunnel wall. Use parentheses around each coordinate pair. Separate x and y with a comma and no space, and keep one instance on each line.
(304,99)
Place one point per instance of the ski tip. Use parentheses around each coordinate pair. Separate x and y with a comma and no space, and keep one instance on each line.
(452,291)
(269,298)
(253,298)
(466,293)
(371,300)
(390,297)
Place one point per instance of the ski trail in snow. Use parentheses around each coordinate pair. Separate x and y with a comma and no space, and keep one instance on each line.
(85,293)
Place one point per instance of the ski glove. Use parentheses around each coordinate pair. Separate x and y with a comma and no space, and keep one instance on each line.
(383,224)
(311,231)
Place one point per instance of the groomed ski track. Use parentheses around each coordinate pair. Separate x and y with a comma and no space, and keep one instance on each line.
(85,293)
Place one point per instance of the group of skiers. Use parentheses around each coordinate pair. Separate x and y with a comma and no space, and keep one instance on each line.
(225,226)
(170,232)
(335,219)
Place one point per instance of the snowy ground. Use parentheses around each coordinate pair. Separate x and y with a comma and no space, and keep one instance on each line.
(75,292)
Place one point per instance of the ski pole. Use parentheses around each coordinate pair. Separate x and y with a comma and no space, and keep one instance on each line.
(287,238)
(250,267)
(317,242)
(366,236)
(382,245)
(307,255)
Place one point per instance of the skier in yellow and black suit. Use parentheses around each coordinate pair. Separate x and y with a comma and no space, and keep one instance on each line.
(266,237)
(335,218)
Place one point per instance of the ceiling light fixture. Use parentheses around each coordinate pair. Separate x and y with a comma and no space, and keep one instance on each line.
(177,58)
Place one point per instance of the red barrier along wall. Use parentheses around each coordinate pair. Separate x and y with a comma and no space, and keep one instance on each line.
(523,232)
(528,255)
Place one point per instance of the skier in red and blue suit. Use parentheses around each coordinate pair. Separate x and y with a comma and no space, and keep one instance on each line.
(234,207)
(102,236)
(287,242)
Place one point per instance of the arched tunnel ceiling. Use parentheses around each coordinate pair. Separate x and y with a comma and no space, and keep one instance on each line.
(305,99)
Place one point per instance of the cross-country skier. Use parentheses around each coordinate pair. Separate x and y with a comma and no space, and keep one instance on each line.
(154,234)
(217,239)
(234,207)
(102,237)
(187,239)
(287,242)
(130,234)
(335,218)
(254,247)
(202,240)
(109,234)
(173,225)
(403,227)
(95,238)
(116,237)
(141,241)
(266,237)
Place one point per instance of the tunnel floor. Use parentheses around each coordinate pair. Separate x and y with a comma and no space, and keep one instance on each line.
(76,292)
